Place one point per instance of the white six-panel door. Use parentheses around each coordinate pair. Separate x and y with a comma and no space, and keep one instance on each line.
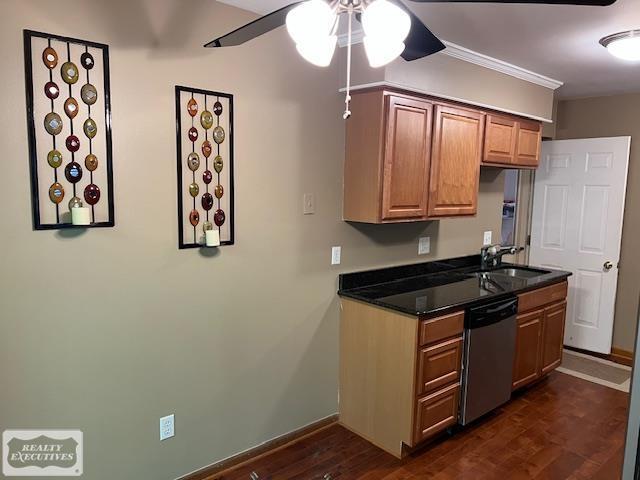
(578,205)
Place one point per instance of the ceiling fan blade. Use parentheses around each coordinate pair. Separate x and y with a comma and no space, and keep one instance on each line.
(420,42)
(254,29)
(589,3)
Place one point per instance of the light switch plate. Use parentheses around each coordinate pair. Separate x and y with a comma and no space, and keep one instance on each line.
(336,252)
(424,245)
(487,238)
(167,429)
(308,204)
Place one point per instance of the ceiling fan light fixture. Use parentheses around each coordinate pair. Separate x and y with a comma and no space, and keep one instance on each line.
(382,20)
(310,21)
(320,51)
(381,52)
(623,45)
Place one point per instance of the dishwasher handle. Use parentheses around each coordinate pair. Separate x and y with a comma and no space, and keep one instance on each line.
(491,313)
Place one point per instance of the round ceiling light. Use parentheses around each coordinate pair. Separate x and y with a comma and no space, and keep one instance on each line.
(624,45)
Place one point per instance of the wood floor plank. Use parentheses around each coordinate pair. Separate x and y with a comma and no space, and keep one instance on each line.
(562,428)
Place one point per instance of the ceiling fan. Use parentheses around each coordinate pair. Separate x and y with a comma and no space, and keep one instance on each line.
(390,29)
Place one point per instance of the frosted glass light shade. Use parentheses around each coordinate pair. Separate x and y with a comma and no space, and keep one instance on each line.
(310,21)
(318,51)
(384,20)
(624,45)
(381,52)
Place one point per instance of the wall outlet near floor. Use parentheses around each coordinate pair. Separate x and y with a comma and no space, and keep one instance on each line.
(487,238)
(167,429)
(424,245)
(308,204)
(336,252)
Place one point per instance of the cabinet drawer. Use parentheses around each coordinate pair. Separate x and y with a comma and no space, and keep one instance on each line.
(436,412)
(439,365)
(440,328)
(542,296)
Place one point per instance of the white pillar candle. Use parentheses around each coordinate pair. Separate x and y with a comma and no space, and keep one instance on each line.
(81,216)
(212,238)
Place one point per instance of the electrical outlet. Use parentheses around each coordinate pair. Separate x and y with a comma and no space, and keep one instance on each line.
(167,429)
(335,255)
(424,245)
(308,204)
(487,238)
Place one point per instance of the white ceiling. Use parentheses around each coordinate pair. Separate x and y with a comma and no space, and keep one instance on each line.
(560,42)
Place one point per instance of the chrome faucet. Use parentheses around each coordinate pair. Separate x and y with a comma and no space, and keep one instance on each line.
(491,255)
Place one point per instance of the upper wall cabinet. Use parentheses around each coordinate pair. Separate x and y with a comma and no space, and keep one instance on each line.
(414,158)
(455,164)
(511,142)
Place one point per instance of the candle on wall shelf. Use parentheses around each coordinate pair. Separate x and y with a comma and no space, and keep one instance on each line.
(80,215)
(211,235)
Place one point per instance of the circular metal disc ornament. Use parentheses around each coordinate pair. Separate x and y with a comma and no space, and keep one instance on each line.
(91,194)
(219,218)
(194,189)
(91,162)
(72,143)
(75,202)
(86,60)
(207,176)
(192,107)
(54,158)
(69,72)
(206,120)
(218,164)
(217,108)
(193,161)
(90,128)
(71,107)
(51,90)
(206,148)
(207,226)
(50,58)
(193,134)
(89,94)
(56,193)
(218,135)
(219,191)
(207,201)
(53,123)
(194,218)
(73,172)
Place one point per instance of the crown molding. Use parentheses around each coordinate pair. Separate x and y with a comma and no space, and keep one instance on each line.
(470,56)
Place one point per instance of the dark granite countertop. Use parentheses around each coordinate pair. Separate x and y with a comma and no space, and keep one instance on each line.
(430,288)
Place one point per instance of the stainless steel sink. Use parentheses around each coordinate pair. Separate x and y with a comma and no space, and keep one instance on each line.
(519,272)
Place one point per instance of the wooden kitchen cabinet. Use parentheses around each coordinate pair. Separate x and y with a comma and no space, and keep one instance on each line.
(540,333)
(455,163)
(511,142)
(399,374)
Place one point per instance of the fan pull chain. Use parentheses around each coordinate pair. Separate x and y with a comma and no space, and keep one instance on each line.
(347,101)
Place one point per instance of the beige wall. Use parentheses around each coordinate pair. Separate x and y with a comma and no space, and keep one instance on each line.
(107,330)
(446,76)
(610,117)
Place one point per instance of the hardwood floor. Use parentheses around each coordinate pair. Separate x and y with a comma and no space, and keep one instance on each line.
(561,428)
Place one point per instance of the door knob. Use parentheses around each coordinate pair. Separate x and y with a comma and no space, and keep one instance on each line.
(608,266)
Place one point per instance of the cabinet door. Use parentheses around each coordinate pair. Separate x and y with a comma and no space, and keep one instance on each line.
(528,145)
(553,336)
(526,367)
(500,139)
(439,365)
(407,158)
(436,412)
(455,162)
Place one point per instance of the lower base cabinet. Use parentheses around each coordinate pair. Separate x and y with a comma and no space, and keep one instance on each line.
(400,375)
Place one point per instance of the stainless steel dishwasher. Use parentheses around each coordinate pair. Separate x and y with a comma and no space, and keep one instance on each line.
(489,349)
